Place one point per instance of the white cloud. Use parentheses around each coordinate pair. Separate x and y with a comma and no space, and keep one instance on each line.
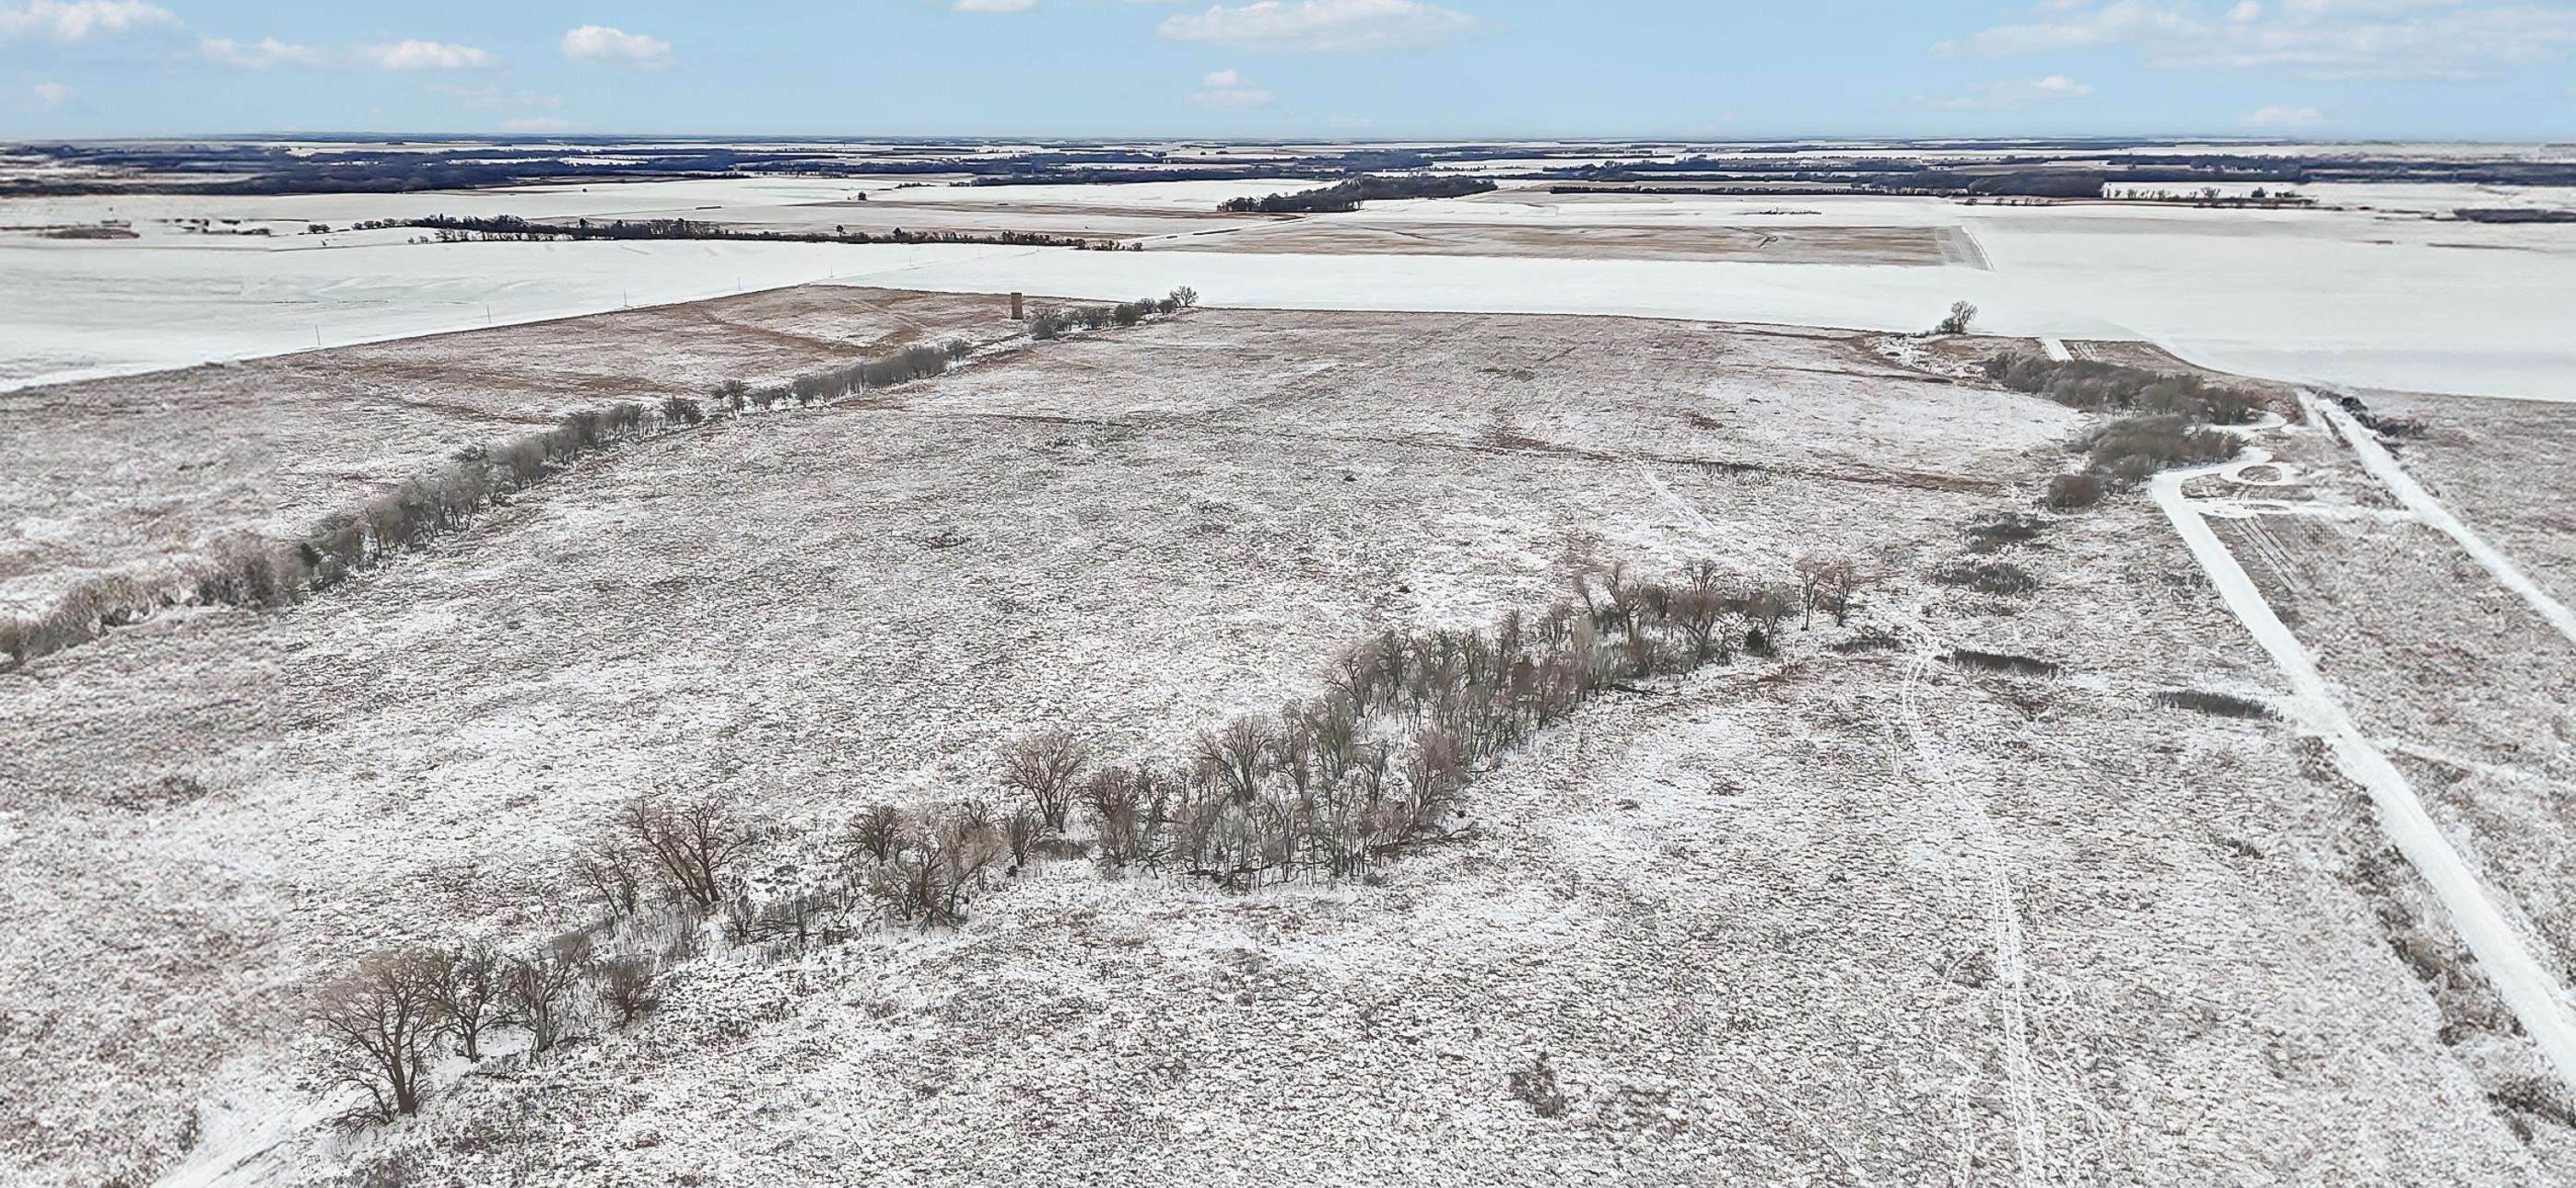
(2283,117)
(1229,89)
(258,55)
(600,45)
(2009,96)
(48,95)
(1322,26)
(2318,39)
(82,22)
(994,5)
(426,55)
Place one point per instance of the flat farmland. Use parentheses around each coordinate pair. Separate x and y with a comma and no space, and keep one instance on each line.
(1916,246)
(145,474)
(1864,911)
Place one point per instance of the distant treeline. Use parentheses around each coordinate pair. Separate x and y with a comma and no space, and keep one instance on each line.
(230,168)
(1348,195)
(439,163)
(514,227)
(2489,214)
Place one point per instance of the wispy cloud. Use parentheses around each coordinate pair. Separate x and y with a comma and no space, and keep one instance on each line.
(84,22)
(48,95)
(1229,89)
(2315,39)
(425,55)
(2009,95)
(1322,26)
(263,54)
(2283,118)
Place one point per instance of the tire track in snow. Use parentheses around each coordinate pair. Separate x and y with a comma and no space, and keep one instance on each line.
(2002,917)
(2376,459)
(2527,987)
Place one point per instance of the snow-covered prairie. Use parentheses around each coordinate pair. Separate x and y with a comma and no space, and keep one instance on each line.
(2340,297)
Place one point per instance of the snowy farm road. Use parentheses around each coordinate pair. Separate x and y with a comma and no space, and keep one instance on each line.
(2483,915)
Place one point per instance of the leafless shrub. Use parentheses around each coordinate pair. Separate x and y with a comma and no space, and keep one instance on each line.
(794,921)
(2068,492)
(1126,806)
(2537,1096)
(1536,1086)
(2004,662)
(1957,321)
(934,874)
(1987,577)
(2004,531)
(626,985)
(1185,297)
(379,1029)
(1019,831)
(2224,705)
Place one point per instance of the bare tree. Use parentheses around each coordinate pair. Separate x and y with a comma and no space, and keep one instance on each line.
(694,843)
(465,987)
(537,990)
(930,879)
(379,1029)
(614,872)
(879,829)
(1185,297)
(1046,768)
(1824,581)
(1960,317)
(1239,754)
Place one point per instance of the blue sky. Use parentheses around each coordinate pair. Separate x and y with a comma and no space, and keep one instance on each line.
(1296,68)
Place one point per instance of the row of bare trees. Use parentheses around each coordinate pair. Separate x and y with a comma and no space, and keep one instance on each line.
(1327,789)
(1052,322)
(382,1027)
(256,573)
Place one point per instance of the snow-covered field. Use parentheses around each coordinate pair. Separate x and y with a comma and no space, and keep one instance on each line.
(293,211)
(1851,916)
(2341,297)
(75,311)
